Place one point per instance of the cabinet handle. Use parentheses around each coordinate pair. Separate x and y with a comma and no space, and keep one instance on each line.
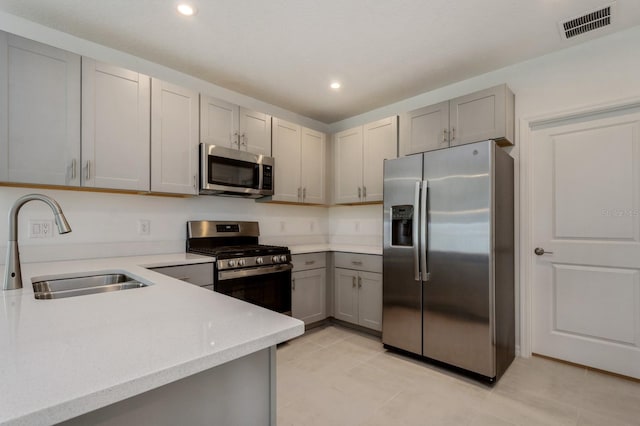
(444,136)
(304,193)
(87,174)
(364,192)
(243,139)
(293,283)
(359,282)
(359,192)
(356,262)
(74,164)
(235,139)
(309,262)
(299,194)
(195,183)
(453,133)
(353,282)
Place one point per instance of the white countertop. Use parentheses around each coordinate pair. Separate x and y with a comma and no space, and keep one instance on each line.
(347,248)
(64,357)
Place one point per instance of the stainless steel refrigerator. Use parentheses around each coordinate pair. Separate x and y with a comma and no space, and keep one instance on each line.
(448,289)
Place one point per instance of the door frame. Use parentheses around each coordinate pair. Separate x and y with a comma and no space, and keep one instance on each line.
(525,264)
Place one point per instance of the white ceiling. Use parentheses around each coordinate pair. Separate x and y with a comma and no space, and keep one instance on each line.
(286,52)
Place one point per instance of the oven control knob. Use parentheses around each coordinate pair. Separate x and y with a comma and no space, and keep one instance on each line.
(241,262)
(259,261)
(232,263)
(283,258)
(275,259)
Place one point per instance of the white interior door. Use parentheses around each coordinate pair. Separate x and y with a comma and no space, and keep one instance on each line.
(586,213)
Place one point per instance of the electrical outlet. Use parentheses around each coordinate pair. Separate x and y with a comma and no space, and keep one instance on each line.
(144,227)
(40,228)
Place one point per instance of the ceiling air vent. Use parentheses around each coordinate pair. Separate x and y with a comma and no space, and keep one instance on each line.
(588,22)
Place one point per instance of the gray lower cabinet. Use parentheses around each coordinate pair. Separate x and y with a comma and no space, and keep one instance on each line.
(358,289)
(200,274)
(308,287)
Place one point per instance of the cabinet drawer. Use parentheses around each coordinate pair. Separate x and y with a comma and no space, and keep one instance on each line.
(360,262)
(199,273)
(302,262)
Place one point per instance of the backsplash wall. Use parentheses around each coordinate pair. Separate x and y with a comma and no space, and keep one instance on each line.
(106,224)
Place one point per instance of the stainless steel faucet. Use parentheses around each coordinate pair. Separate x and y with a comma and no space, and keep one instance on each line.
(12,276)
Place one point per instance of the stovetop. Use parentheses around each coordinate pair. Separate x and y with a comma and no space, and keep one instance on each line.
(230,252)
(233,244)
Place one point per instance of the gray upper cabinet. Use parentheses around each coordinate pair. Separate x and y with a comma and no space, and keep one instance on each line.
(300,157)
(174,138)
(486,114)
(39,113)
(116,121)
(225,124)
(359,155)
(425,129)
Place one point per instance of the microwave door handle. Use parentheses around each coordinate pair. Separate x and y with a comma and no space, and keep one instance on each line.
(415,230)
(424,228)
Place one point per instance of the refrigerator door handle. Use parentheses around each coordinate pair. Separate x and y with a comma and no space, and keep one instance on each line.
(424,228)
(415,229)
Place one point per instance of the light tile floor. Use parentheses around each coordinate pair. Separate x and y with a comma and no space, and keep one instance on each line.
(337,376)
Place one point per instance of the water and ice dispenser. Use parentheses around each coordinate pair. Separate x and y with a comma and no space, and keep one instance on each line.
(402,225)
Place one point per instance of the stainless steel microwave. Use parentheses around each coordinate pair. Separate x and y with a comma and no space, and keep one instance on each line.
(225,171)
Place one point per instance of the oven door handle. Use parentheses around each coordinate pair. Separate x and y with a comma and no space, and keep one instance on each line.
(251,272)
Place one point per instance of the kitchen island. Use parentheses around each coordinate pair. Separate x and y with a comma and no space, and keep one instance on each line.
(170,350)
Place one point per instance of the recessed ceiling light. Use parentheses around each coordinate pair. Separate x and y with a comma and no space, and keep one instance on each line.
(335,85)
(186,10)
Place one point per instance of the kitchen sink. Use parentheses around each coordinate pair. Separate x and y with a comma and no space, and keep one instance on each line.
(57,288)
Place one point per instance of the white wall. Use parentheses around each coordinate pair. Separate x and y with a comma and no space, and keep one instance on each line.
(107,224)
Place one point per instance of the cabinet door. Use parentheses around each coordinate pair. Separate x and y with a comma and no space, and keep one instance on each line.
(370,300)
(39,113)
(219,122)
(174,138)
(286,151)
(115,127)
(347,146)
(346,295)
(425,129)
(380,143)
(308,290)
(255,132)
(478,116)
(313,164)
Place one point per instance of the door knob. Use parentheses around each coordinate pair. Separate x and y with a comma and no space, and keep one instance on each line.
(539,251)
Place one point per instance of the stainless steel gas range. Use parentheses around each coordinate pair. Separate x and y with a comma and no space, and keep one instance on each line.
(256,273)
